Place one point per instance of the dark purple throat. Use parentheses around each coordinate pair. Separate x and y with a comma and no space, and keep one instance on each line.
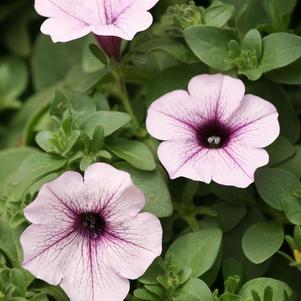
(213,134)
(91,225)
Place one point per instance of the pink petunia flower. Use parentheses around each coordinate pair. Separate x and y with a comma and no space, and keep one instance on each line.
(213,131)
(88,235)
(109,20)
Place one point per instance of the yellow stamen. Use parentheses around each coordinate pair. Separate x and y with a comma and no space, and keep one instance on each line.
(297,255)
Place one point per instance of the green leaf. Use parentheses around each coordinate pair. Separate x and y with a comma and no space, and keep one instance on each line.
(134,152)
(279,12)
(210,45)
(51,62)
(262,240)
(194,290)
(110,121)
(157,196)
(218,14)
(76,103)
(276,185)
(151,274)
(99,53)
(34,168)
(9,241)
(10,160)
(13,79)
(292,209)
(53,291)
(280,150)
(144,294)
(197,251)
(176,77)
(228,216)
(290,74)
(280,49)
(259,285)
(293,164)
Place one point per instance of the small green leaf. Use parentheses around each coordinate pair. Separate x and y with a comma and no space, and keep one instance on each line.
(280,49)
(262,240)
(34,168)
(134,152)
(276,185)
(218,14)
(99,53)
(76,103)
(259,285)
(210,45)
(194,290)
(197,251)
(109,120)
(292,209)
(144,294)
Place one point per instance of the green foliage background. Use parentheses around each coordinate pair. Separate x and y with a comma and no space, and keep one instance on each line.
(61,109)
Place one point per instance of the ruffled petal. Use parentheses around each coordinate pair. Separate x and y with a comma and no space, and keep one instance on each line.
(87,11)
(217,95)
(112,191)
(236,164)
(185,159)
(64,29)
(255,122)
(59,199)
(173,116)
(74,263)
(136,243)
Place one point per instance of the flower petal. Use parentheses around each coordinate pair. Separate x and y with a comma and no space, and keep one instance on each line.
(236,164)
(125,18)
(138,243)
(114,190)
(173,116)
(59,199)
(72,262)
(72,19)
(256,122)
(64,29)
(87,11)
(185,159)
(217,95)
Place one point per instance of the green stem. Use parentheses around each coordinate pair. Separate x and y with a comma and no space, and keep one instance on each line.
(125,99)
(193,223)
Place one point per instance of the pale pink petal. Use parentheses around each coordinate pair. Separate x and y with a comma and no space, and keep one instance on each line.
(232,165)
(139,243)
(255,121)
(126,26)
(71,262)
(236,164)
(185,159)
(72,19)
(217,95)
(59,198)
(64,29)
(173,116)
(85,11)
(114,190)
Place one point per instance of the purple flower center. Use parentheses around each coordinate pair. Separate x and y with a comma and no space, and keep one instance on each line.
(91,224)
(213,134)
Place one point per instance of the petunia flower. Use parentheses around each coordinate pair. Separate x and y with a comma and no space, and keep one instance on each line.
(88,236)
(214,131)
(109,20)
